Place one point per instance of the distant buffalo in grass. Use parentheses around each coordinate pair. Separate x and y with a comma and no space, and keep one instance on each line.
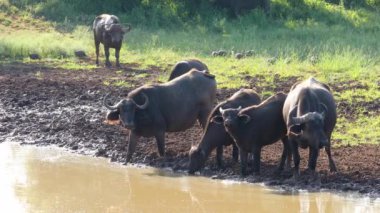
(108,31)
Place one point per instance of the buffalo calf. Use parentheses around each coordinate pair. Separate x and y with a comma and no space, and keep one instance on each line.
(257,126)
(215,136)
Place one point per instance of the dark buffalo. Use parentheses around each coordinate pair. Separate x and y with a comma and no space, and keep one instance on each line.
(108,31)
(183,67)
(310,115)
(169,107)
(257,126)
(215,136)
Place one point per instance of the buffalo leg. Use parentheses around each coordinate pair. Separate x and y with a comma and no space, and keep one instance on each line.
(285,154)
(296,157)
(235,152)
(160,139)
(97,43)
(131,145)
(313,155)
(256,159)
(243,162)
(107,53)
(117,55)
(203,116)
(331,161)
(219,156)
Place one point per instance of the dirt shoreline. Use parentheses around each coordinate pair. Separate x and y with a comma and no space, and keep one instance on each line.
(45,106)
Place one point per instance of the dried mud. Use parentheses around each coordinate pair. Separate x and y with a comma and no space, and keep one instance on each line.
(43,106)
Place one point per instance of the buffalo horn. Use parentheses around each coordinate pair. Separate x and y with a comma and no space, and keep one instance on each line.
(128,28)
(307,117)
(221,110)
(109,106)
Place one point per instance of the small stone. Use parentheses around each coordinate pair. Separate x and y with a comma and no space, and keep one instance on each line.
(222,53)
(214,53)
(239,55)
(100,152)
(34,56)
(80,53)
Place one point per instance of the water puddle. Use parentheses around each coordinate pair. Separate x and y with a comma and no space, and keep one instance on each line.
(48,179)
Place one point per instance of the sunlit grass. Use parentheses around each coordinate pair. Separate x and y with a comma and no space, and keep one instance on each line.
(19,44)
(365,129)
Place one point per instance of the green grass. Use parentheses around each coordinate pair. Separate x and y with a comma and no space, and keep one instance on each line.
(364,130)
(336,45)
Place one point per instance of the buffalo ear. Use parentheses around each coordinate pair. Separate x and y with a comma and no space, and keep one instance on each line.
(245,118)
(113,115)
(217,119)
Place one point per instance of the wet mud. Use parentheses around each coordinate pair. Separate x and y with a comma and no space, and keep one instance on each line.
(51,106)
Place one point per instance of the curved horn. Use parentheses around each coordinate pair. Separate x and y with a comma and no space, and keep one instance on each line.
(109,106)
(306,117)
(145,104)
(128,28)
(298,120)
(221,110)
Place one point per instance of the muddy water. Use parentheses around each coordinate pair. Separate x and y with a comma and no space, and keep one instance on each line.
(46,179)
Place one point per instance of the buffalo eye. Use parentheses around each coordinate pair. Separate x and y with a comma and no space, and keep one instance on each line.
(217,119)
(244,118)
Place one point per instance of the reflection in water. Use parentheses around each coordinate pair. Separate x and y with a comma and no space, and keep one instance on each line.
(51,180)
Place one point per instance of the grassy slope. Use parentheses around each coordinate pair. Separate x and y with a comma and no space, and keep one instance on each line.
(340,53)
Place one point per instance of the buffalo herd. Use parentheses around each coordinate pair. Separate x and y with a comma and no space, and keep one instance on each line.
(305,117)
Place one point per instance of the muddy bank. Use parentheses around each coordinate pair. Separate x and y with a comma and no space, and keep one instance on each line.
(43,106)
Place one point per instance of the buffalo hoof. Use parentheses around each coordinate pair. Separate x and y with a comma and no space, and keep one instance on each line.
(296,173)
(108,64)
(221,167)
(278,172)
(118,65)
(333,168)
(244,173)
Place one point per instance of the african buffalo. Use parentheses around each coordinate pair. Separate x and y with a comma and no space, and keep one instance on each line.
(215,136)
(256,126)
(310,116)
(174,106)
(108,31)
(183,67)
